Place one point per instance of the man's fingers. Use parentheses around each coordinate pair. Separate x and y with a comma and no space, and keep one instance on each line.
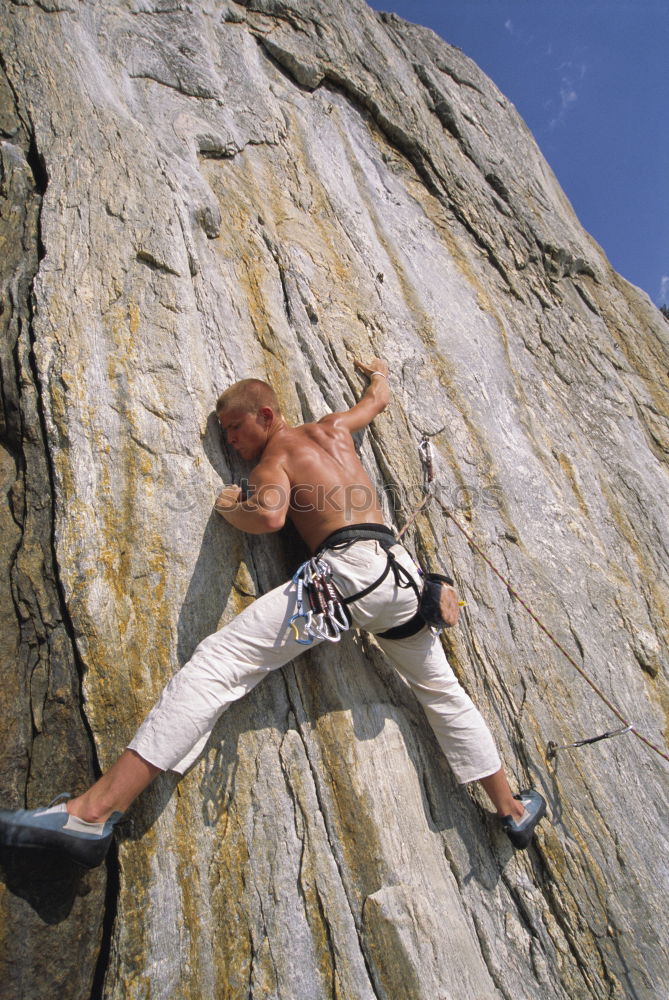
(376,364)
(228,498)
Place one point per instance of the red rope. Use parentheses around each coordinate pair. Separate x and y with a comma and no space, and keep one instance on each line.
(414,515)
(559,645)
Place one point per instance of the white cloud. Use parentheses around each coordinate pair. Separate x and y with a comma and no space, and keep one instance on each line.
(568,91)
(568,94)
(664,288)
(508,24)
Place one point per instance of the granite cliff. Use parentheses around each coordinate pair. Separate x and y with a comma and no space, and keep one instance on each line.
(191,193)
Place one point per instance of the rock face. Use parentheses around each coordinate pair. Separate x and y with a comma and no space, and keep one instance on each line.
(195,193)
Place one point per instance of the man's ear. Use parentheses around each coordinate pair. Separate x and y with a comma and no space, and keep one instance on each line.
(267,414)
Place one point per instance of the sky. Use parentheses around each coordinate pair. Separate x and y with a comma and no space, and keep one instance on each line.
(590,79)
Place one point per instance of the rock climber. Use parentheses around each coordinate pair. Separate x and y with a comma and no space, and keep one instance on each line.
(310,474)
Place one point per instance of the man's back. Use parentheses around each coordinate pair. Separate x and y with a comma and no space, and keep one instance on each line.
(329,488)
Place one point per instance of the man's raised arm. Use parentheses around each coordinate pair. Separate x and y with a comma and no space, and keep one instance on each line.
(374,399)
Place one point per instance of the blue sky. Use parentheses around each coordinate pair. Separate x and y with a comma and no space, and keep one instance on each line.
(590,79)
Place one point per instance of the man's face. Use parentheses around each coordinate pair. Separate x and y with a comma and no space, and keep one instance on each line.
(245,432)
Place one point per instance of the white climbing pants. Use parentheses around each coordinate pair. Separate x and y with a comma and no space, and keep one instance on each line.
(229,663)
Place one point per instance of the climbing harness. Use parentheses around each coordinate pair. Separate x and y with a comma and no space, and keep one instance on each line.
(434,609)
(553,748)
(386,538)
(326,617)
(627,727)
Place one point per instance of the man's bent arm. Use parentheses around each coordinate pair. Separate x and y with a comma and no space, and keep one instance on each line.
(372,402)
(264,509)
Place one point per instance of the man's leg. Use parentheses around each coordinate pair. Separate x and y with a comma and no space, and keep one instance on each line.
(462,734)
(224,667)
(501,796)
(461,731)
(115,790)
(458,725)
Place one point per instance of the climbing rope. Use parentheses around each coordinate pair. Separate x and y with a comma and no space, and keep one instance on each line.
(427,460)
(514,593)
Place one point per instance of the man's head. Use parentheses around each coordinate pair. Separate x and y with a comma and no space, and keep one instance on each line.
(249,395)
(247,411)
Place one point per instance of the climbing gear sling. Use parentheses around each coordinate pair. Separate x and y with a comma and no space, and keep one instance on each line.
(326,617)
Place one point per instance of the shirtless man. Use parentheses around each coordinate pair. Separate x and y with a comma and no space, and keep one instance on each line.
(312,475)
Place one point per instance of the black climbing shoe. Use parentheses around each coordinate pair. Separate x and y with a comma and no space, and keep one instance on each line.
(520,831)
(52,828)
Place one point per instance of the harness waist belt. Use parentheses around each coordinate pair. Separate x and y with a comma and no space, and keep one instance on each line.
(358,533)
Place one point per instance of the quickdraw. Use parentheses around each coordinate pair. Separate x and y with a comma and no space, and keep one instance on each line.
(427,461)
(325,617)
(553,748)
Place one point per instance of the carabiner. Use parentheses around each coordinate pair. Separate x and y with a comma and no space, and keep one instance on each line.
(341,624)
(317,630)
(296,631)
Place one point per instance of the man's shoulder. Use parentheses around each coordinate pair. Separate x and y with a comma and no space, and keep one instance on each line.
(304,432)
(279,449)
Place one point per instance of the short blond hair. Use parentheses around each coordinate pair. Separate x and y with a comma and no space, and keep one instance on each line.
(249,395)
